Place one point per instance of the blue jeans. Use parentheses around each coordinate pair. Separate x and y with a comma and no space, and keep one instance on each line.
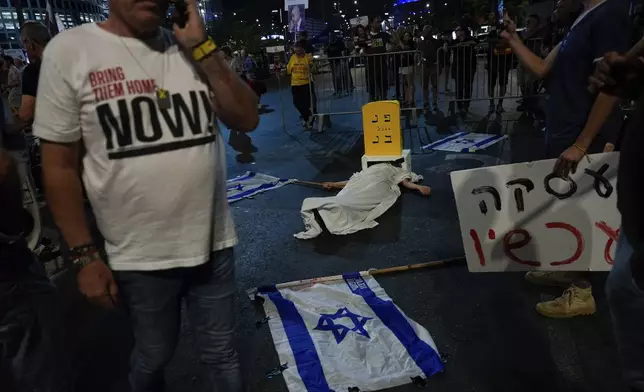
(153,300)
(626,302)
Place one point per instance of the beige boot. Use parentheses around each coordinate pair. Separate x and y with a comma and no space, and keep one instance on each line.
(558,278)
(575,301)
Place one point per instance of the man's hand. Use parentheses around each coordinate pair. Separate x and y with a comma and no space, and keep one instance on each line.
(616,74)
(96,283)
(193,33)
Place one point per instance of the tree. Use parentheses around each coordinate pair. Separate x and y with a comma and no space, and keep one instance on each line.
(236,34)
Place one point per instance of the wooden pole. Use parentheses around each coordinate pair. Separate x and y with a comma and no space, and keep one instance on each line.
(310,184)
(372,272)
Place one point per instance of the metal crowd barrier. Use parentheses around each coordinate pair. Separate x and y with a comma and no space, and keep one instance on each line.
(486,71)
(343,85)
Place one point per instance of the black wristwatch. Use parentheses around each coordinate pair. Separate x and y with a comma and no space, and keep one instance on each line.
(83,255)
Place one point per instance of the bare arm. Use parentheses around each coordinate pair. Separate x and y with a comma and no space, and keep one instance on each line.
(602,108)
(234,102)
(27,110)
(61,176)
(424,190)
(535,64)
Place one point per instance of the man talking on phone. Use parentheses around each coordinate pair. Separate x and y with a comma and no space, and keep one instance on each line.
(143,104)
(603,26)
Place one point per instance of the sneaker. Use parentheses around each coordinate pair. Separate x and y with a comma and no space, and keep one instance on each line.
(575,301)
(556,279)
(311,122)
(499,108)
(491,108)
(435,108)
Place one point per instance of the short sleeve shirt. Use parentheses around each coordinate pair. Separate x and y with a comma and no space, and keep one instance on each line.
(155,176)
(603,29)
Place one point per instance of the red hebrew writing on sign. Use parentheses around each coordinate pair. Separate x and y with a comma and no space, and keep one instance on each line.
(520,238)
(612,238)
(509,246)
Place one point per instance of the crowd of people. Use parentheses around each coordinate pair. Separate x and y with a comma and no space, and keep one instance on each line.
(158,193)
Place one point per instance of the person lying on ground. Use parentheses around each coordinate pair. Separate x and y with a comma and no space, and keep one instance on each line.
(361,200)
(423,189)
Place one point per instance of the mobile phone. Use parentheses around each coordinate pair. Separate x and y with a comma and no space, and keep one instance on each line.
(178,13)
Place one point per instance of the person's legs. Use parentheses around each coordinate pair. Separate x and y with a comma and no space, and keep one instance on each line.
(211,311)
(425,80)
(492,74)
(433,78)
(301,101)
(334,76)
(153,301)
(371,78)
(467,91)
(460,90)
(504,73)
(626,302)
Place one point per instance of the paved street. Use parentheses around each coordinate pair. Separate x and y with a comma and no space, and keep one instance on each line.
(484,324)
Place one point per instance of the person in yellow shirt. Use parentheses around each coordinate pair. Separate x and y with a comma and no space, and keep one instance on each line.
(299,67)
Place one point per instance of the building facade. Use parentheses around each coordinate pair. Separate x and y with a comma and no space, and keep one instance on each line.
(71,12)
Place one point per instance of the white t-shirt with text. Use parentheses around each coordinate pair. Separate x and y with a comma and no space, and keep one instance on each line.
(154,176)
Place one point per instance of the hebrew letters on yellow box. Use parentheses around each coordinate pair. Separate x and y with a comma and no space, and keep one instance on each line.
(381,124)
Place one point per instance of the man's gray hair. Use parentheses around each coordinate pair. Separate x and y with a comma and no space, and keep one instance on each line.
(35,32)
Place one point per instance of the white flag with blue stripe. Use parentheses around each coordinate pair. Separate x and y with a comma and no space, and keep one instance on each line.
(250,184)
(346,333)
(465,142)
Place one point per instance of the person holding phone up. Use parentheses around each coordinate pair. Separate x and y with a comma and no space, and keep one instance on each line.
(143,102)
(602,27)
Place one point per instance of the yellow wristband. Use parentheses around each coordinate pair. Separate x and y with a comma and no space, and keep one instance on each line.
(204,49)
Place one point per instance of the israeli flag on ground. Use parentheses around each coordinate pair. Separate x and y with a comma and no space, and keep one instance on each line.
(346,333)
(465,142)
(250,184)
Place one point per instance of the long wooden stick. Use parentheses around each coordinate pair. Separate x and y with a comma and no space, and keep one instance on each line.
(309,183)
(372,272)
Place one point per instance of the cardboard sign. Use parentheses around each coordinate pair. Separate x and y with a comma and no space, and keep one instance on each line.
(521,217)
(382,131)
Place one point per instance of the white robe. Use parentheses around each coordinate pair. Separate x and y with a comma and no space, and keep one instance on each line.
(367,195)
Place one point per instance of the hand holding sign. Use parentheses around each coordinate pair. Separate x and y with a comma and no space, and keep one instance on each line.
(530,218)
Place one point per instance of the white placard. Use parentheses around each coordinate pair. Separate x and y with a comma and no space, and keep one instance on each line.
(288,3)
(514,218)
(361,20)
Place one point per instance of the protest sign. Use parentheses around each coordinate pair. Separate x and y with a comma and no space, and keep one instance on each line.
(522,217)
(382,131)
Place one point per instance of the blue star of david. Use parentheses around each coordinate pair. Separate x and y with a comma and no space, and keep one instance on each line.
(327,323)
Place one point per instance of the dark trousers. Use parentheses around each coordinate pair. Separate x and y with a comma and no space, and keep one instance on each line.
(33,355)
(626,302)
(153,301)
(377,78)
(302,100)
(463,90)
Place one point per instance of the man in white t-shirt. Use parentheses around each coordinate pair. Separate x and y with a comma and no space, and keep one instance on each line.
(144,103)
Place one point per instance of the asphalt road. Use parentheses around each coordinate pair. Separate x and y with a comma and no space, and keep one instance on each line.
(484,324)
